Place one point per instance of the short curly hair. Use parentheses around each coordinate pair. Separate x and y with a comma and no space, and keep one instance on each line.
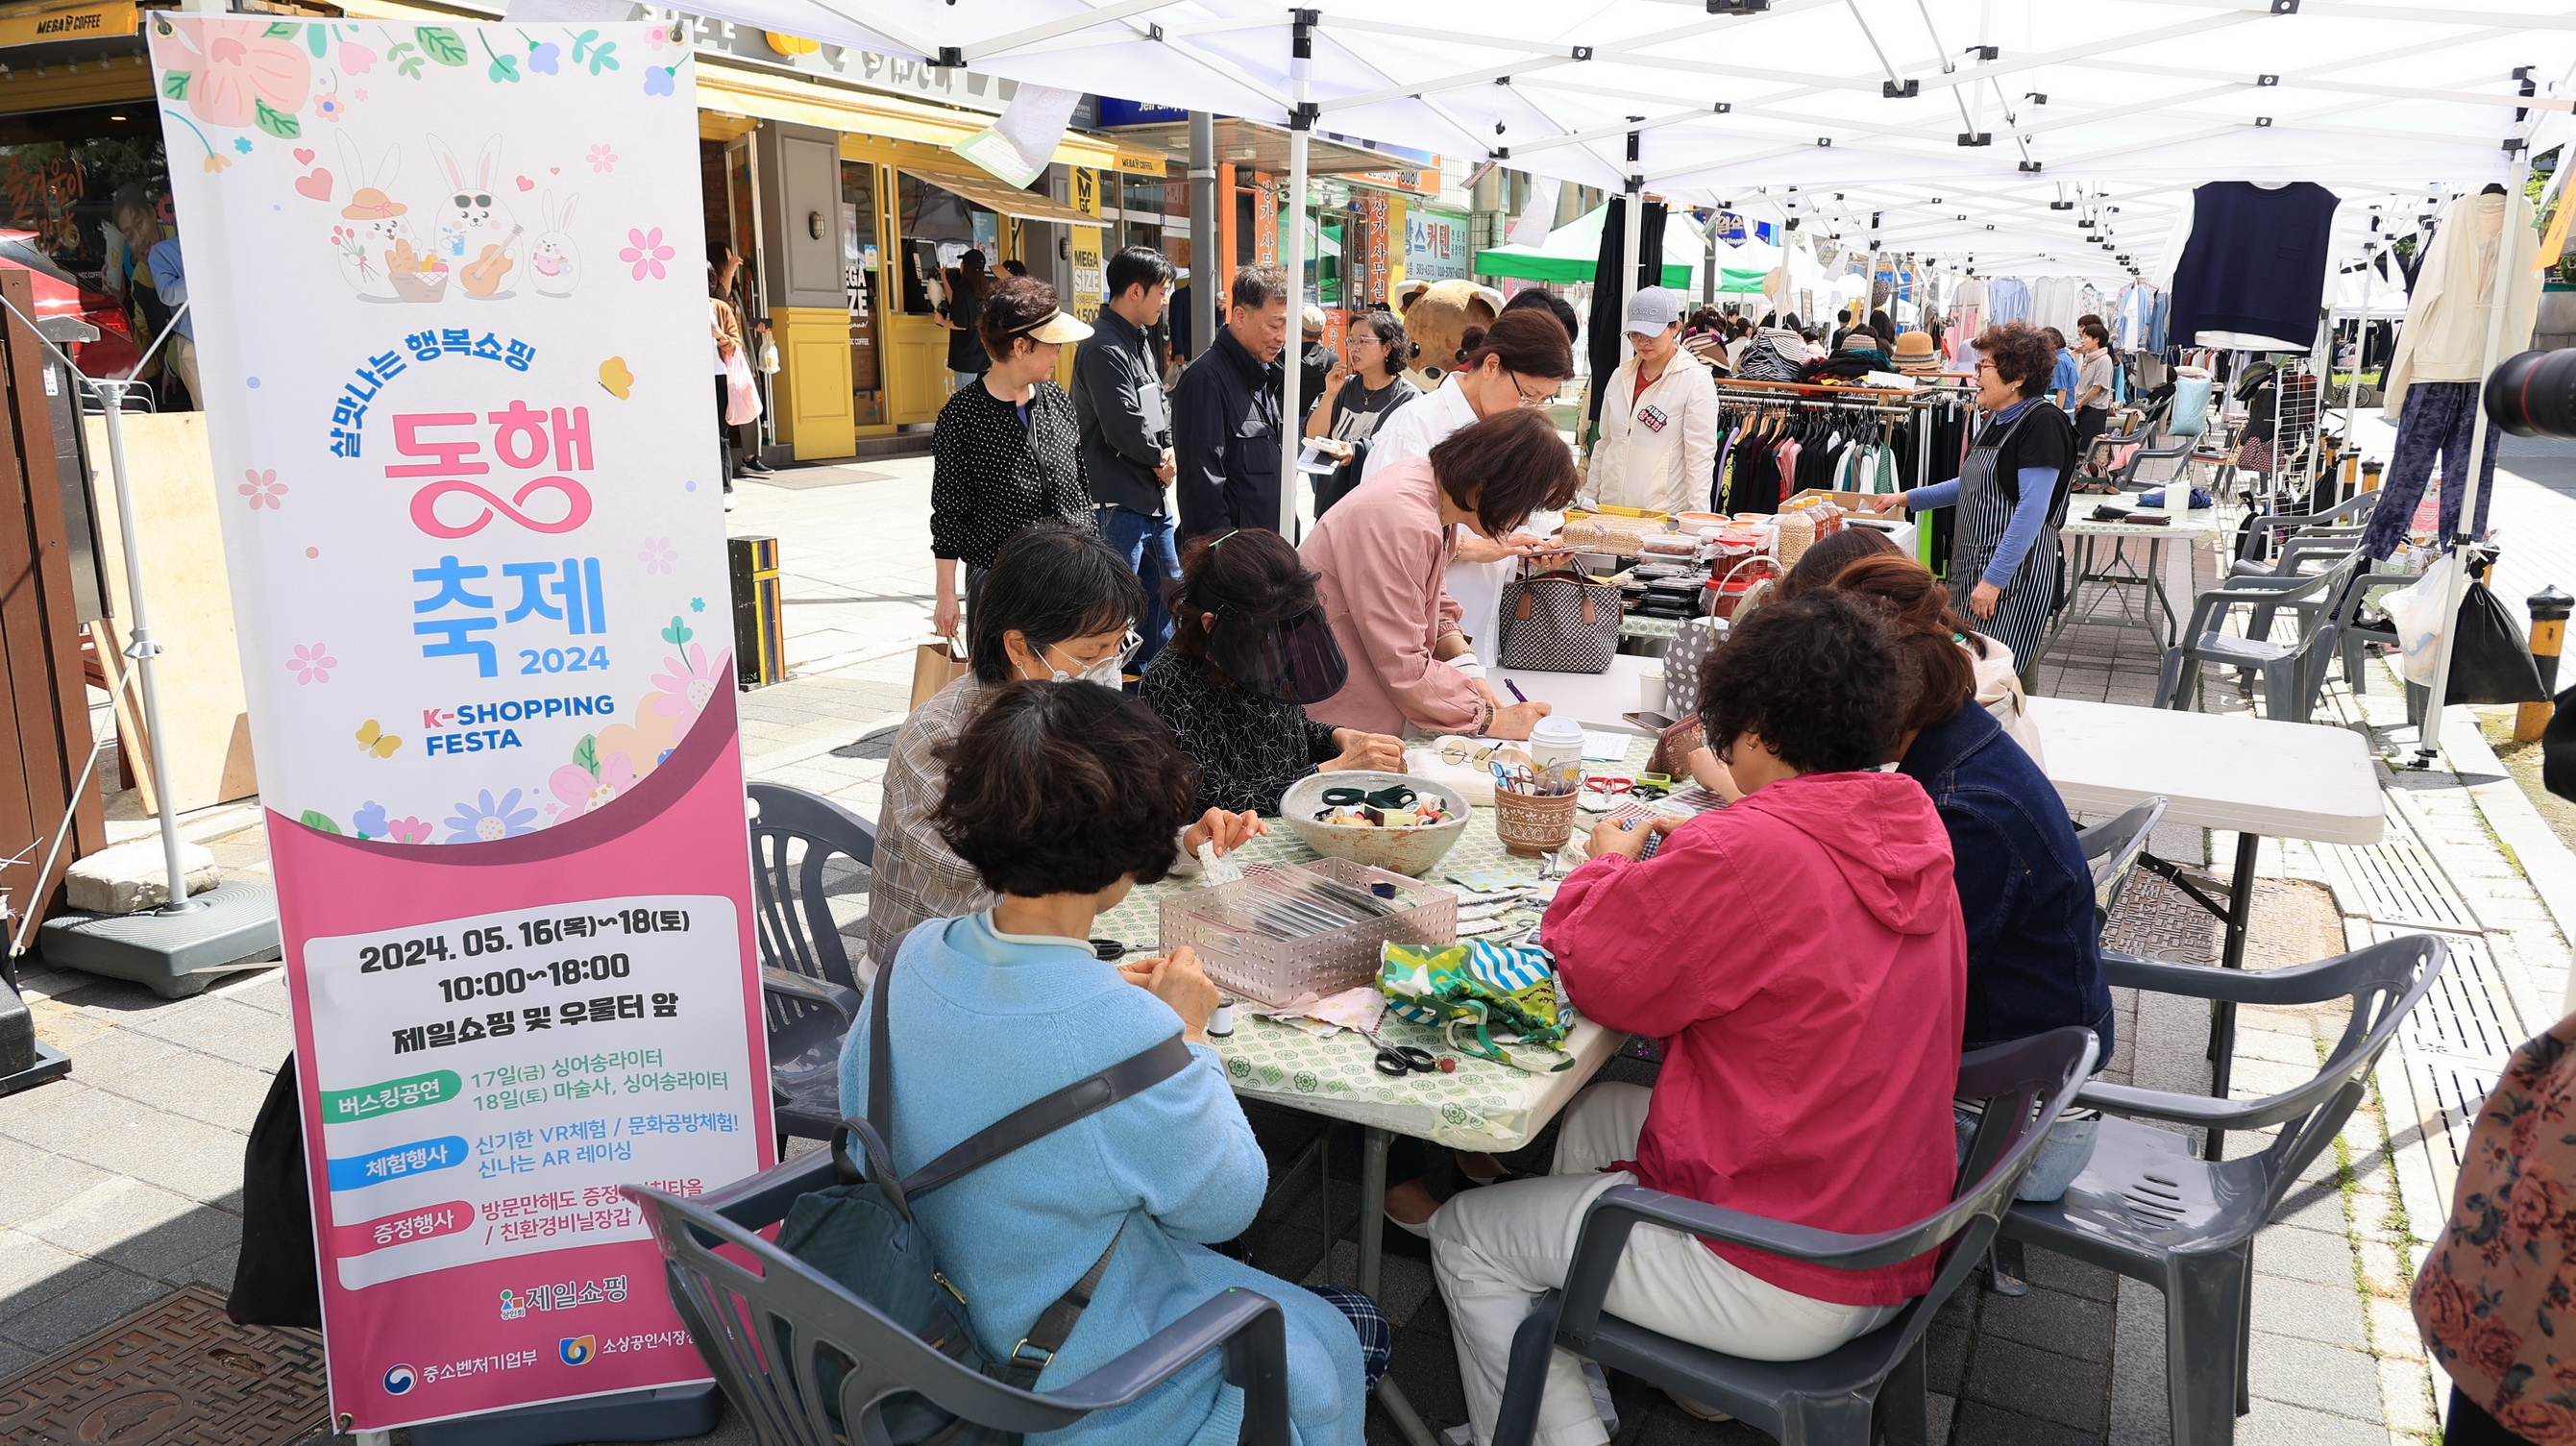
(1816,678)
(2022,354)
(1064,788)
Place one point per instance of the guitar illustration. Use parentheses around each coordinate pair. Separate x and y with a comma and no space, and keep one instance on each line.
(482,275)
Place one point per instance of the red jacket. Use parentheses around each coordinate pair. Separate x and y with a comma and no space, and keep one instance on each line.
(1801,956)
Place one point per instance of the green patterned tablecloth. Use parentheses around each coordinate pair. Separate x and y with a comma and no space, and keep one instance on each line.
(1635,626)
(1483,1106)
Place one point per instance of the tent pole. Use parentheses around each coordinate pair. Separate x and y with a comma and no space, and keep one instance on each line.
(1708,268)
(1207,269)
(1292,257)
(1630,220)
(2428,739)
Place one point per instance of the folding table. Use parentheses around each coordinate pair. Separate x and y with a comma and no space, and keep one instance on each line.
(2251,776)
(2167,575)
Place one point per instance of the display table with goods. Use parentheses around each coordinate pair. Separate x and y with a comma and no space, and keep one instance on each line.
(2250,776)
(1396,1077)
(2166,576)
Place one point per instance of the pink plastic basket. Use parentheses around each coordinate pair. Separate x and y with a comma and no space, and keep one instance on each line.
(1224,925)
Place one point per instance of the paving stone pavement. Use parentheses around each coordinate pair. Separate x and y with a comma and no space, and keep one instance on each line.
(123,1182)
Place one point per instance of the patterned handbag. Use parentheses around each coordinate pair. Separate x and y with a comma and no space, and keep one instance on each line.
(1682,658)
(1560,621)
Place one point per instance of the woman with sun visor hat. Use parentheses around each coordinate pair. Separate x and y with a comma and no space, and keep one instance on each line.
(1250,648)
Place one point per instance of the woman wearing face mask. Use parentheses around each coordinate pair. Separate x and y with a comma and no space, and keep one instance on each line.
(1518,362)
(1378,560)
(1058,606)
(1249,648)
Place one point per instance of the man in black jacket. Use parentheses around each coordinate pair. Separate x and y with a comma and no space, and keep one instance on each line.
(1127,430)
(1225,413)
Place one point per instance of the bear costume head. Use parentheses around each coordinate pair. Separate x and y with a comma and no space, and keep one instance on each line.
(1436,316)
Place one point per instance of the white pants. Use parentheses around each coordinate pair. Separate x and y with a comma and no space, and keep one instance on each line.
(1496,1250)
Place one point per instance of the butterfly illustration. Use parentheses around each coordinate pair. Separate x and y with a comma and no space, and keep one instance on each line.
(372,739)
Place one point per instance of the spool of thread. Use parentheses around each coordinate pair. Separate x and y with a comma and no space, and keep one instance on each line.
(1220,1025)
(1797,534)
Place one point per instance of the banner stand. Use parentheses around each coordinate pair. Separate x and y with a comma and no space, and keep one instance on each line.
(665,1413)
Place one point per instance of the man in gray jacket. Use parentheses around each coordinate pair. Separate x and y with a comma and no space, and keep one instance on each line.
(1127,431)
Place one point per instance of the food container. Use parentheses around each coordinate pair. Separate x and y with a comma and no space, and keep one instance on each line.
(1530,824)
(1734,545)
(1225,925)
(1402,850)
(1797,534)
(1727,590)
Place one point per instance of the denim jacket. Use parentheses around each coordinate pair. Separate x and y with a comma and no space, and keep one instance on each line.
(2025,892)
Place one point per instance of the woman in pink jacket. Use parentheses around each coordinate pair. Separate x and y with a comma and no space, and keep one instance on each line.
(1800,954)
(1379,556)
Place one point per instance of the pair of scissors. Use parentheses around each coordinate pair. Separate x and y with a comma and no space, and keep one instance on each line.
(1394,795)
(1395,1061)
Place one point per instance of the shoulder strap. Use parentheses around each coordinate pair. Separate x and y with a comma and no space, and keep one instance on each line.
(1028,1360)
(1084,1097)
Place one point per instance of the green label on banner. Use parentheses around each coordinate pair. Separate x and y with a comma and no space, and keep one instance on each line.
(340,1107)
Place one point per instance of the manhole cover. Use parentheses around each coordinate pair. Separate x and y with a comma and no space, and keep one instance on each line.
(176,1373)
(2158,921)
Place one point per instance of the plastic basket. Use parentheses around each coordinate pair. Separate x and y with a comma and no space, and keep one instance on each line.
(1221,925)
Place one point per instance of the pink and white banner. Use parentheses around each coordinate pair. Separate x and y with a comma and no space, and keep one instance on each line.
(447,291)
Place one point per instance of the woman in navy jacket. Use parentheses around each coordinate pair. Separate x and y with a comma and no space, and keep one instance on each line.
(2025,891)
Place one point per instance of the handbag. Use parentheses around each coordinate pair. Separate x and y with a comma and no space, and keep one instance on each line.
(1559,621)
(935,665)
(863,1234)
(1682,658)
(2490,663)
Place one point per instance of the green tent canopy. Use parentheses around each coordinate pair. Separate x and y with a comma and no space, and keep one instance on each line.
(1569,252)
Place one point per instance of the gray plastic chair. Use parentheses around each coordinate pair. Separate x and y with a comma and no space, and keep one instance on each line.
(1878,1378)
(2286,668)
(2348,517)
(773,1329)
(2147,1208)
(810,992)
(2111,850)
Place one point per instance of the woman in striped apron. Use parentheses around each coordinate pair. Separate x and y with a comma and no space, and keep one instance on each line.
(2010,495)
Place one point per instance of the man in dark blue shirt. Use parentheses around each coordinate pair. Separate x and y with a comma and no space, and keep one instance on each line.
(1225,413)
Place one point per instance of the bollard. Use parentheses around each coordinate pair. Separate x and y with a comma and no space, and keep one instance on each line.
(759,616)
(2549,609)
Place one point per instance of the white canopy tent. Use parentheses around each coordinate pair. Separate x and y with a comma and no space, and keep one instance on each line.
(1991,129)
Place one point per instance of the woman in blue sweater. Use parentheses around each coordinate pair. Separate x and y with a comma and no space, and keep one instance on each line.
(1064,796)
(2010,494)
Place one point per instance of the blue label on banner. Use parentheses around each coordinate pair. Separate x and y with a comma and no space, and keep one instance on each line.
(356,1172)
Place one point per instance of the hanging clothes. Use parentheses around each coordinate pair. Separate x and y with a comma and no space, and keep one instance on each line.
(2007,299)
(2438,423)
(2056,301)
(2253,273)
(2445,336)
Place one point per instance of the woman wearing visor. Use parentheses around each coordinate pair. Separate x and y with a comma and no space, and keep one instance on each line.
(1250,647)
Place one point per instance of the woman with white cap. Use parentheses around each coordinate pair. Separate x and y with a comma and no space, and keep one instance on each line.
(1007,450)
(1657,448)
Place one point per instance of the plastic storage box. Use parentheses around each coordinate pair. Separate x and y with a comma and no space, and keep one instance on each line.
(1235,928)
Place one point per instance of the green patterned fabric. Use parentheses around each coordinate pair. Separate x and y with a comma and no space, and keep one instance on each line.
(1482,1106)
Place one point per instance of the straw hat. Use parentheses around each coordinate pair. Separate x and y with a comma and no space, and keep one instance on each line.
(370,204)
(1916,353)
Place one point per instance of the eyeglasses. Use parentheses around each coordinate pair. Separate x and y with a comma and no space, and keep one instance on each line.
(479,198)
(1984,365)
(1530,399)
(1454,750)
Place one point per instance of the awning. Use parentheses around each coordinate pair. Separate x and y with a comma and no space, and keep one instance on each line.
(1571,251)
(1010,201)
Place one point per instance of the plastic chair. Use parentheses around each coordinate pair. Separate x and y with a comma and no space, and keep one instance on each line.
(2146,1208)
(2259,533)
(2285,667)
(2112,850)
(2186,417)
(805,977)
(773,1330)
(1836,1397)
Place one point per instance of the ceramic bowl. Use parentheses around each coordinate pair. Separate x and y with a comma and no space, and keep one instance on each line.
(1410,851)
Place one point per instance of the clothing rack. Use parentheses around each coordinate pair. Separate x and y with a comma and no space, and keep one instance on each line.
(1893,406)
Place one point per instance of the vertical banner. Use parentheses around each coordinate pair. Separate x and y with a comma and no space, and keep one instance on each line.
(452,322)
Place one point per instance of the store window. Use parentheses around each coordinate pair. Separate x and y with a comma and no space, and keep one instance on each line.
(84,197)
(862,278)
(937,227)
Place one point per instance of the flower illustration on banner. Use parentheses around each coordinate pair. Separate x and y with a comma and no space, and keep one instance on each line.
(407,830)
(312,663)
(355,58)
(657,78)
(646,253)
(242,144)
(217,163)
(369,820)
(545,58)
(582,791)
(658,555)
(245,76)
(484,820)
(329,106)
(602,159)
(263,489)
(686,682)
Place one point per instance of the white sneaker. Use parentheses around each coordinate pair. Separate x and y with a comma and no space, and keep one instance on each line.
(731,501)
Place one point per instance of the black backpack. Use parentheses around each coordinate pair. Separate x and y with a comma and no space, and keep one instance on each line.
(863,1234)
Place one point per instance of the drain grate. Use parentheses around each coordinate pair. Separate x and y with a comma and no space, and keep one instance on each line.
(2456,1088)
(2395,882)
(2465,1015)
(176,1373)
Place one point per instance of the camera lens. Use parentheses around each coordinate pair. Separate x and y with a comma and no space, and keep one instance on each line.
(2534,394)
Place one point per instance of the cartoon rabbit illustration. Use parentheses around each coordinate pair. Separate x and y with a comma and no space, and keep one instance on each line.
(371,226)
(556,260)
(475,232)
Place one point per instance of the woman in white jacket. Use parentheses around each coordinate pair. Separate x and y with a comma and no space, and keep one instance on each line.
(1657,449)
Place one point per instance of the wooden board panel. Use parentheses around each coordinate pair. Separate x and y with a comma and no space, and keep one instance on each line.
(206,745)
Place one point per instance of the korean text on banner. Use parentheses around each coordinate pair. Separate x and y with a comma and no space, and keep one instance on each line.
(458,367)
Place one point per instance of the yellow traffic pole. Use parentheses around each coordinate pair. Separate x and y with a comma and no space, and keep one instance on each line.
(2549,609)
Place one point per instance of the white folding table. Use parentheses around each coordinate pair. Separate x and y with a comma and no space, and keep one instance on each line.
(2251,776)
(2167,577)
(1594,700)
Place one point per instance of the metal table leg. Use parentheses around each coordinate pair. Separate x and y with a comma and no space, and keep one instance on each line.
(1372,1227)
(2222,1026)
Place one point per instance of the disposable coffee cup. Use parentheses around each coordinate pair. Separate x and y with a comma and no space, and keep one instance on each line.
(1650,692)
(1555,743)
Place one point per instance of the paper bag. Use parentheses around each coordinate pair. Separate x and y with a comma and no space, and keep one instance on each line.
(935,665)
